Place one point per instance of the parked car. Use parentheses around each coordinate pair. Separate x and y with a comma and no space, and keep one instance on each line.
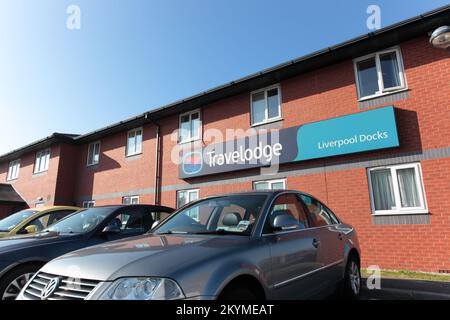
(256,245)
(33,220)
(21,257)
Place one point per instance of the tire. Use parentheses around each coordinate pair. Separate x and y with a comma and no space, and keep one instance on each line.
(12,282)
(238,293)
(352,280)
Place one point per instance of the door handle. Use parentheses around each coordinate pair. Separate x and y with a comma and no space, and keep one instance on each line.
(315,243)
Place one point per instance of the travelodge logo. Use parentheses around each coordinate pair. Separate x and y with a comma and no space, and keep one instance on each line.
(192,163)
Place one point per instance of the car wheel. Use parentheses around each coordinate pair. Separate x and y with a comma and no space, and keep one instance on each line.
(238,293)
(352,281)
(13,282)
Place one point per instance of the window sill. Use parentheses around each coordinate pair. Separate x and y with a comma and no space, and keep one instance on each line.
(92,164)
(400,213)
(188,141)
(266,122)
(133,155)
(40,173)
(12,180)
(376,96)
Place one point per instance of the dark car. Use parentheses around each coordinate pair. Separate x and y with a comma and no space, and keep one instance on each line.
(21,257)
(256,245)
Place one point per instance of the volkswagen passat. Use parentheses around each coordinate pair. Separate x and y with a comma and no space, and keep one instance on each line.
(256,245)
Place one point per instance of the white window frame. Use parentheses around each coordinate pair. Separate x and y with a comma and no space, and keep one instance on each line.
(266,110)
(129,153)
(88,204)
(188,192)
(46,153)
(381,91)
(422,209)
(270,182)
(93,150)
(191,137)
(13,170)
(131,199)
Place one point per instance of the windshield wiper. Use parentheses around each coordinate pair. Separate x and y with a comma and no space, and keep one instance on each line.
(221,231)
(171,232)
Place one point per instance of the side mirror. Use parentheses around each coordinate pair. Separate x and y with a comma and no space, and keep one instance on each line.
(111,229)
(31,229)
(155,224)
(285,222)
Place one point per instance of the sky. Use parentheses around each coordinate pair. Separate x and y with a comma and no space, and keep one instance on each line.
(130,56)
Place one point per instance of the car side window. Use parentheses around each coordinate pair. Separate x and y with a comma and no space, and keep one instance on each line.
(133,220)
(287,204)
(317,211)
(55,216)
(40,223)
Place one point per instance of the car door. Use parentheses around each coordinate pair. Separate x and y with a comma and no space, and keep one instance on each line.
(293,252)
(330,253)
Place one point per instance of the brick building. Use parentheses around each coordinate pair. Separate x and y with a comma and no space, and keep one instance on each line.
(395,192)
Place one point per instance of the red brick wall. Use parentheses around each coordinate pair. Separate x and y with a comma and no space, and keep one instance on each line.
(32,186)
(116,173)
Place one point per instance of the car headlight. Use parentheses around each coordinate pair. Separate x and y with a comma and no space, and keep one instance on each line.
(143,289)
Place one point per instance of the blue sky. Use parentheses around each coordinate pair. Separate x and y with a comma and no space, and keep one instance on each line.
(134,55)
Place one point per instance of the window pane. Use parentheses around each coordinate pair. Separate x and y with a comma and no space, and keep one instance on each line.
(181,198)
(389,69)
(96,157)
(185,130)
(131,147)
(258,107)
(195,125)
(289,205)
(138,141)
(409,195)
(273,103)
(90,154)
(277,185)
(193,195)
(38,162)
(383,194)
(261,186)
(367,77)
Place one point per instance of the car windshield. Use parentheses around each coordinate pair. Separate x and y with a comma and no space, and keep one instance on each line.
(81,221)
(234,214)
(13,220)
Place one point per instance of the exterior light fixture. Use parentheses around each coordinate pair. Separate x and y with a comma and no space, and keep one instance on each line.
(440,38)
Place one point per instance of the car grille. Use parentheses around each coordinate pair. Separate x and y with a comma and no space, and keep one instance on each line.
(68,288)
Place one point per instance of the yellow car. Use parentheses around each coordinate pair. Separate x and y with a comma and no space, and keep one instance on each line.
(33,220)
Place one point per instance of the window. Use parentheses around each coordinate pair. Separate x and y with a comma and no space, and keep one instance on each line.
(132,221)
(130,200)
(397,189)
(190,124)
(379,73)
(320,215)
(265,105)
(134,142)
(270,185)
(93,156)
(89,204)
(46,220)
(186,196)
(42,160)
(287,204)
(13,170)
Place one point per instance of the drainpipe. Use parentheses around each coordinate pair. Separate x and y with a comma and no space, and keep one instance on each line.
(157,161)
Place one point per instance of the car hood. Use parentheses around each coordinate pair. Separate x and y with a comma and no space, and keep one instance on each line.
(4,234)
(24,241)
(146,255)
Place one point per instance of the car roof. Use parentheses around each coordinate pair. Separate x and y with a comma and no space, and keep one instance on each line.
(119,206)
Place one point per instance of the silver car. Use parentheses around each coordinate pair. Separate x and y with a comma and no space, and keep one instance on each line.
(256,245)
